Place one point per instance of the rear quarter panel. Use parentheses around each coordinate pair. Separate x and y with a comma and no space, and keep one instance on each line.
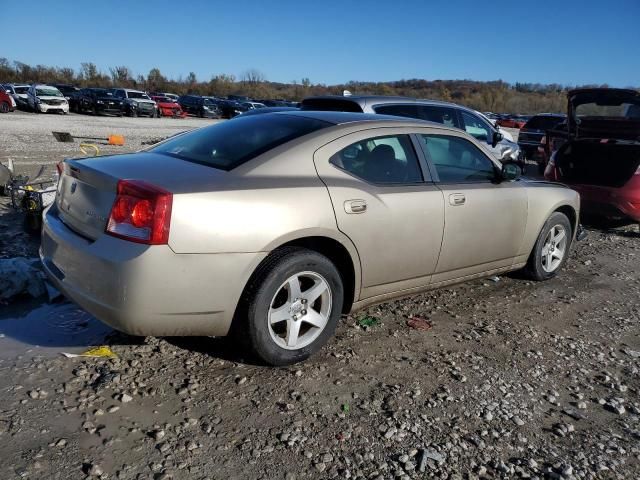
(543,199)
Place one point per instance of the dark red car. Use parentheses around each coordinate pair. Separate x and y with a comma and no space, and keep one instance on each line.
(168,107)
(7,103)
(600,154)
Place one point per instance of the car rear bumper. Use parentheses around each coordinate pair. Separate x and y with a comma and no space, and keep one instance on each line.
(609,202)
(145,290)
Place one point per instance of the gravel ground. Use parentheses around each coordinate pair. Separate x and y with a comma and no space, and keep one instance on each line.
(27,139)
(514,379)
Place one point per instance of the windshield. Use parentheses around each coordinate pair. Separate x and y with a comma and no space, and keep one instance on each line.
(48,92)
(164,99)
(101,92)
(543,122)
(138,95)
(229,144)
(624,110)
(21,89)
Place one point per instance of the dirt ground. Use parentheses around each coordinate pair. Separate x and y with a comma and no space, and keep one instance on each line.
(514,379)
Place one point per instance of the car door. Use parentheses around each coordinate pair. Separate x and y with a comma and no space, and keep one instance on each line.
(386,203)
(485,219)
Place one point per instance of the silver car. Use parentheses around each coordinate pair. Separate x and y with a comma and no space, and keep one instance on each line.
(446,113)
(272,226)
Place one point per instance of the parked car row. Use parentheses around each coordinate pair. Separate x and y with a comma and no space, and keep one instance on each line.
(125,101)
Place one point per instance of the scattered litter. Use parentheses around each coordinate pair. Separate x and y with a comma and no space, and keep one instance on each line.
(495,279)
(66,137)
(419,323)
(97,352)
(20,275)
(368,321)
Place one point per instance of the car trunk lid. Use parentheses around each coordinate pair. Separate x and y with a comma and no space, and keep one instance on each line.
(87,187)
(604,113)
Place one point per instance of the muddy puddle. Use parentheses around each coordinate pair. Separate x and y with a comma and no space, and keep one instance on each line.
(48,329)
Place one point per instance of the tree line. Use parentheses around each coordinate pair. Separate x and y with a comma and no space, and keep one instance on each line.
(494,96)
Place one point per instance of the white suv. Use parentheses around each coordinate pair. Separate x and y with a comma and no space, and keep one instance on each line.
(45,98)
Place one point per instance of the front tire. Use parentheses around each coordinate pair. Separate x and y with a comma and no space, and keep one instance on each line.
(294,302)
(4,107)
(551,249)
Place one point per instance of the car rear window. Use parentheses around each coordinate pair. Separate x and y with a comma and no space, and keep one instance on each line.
(543,122)
(330,105)
(230,144)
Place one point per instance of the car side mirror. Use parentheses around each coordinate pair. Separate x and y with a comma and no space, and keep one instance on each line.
(497,138)
(510,171)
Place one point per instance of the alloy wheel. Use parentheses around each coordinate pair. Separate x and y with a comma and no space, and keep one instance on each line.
(300,310)
(554,248)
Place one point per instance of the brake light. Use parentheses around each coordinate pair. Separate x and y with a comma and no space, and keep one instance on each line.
(140,213)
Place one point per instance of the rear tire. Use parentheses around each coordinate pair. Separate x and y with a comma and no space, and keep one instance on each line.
(551,249)
(282,324)
(4,107)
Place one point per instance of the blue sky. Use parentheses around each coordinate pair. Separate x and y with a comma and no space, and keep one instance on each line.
(562,41)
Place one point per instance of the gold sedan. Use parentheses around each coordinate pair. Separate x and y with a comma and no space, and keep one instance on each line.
(272,226)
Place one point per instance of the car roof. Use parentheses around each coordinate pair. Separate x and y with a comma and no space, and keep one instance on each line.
(384,99)
(341,118)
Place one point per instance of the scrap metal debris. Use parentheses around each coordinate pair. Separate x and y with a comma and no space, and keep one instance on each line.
(419,323)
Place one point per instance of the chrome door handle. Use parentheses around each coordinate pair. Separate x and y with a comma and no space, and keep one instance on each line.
(355,206)
(456,199)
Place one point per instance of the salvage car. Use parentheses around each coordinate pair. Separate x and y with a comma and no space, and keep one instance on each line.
(271,226)
(45,98)
(7,103)
(136,103)
(449,114)
(168,107)
(600,154)
(202,107)
(19,94)
(97,101)
(531,133)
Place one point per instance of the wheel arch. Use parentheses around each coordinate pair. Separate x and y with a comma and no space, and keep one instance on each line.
(571,214)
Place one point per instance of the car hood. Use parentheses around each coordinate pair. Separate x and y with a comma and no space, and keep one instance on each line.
(50,97)
(109,99)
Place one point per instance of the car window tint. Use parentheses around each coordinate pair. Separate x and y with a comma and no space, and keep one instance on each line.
(457,160)
(437,114)
(406,110)
(475,127)
(229,144)
(385,160)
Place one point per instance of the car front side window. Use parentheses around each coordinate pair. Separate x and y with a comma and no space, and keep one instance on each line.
(383,160)
(475,127)
(457,160)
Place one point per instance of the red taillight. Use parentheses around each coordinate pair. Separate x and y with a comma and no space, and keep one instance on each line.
(141,213)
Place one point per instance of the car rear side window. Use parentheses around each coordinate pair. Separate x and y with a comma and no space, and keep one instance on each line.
(382,160)
(405,110)
(230,144)
(457,160)
(438,114)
